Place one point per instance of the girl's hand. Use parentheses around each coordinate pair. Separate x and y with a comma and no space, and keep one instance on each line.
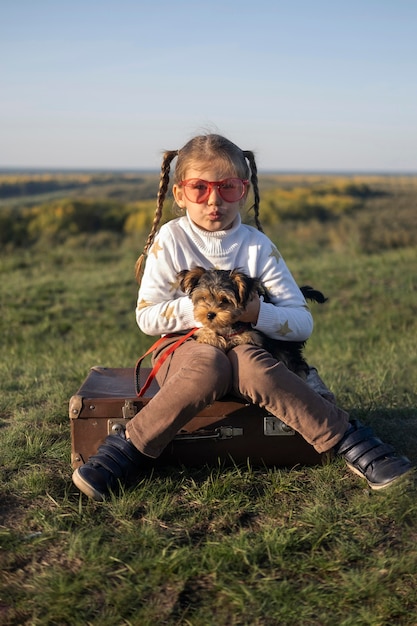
(250,314)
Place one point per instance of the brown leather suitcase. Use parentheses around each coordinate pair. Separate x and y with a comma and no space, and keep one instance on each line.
(230,431)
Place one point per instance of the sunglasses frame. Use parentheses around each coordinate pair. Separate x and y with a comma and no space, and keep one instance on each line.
(213,183)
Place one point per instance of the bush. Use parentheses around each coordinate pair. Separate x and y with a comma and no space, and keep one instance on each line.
(13,227)
(70,217)
(141,216)
(388,229)
(302,203)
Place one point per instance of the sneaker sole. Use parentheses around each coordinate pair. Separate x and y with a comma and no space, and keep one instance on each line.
(86,488)
(376,486)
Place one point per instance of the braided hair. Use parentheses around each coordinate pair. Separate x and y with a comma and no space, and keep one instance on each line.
(202,149)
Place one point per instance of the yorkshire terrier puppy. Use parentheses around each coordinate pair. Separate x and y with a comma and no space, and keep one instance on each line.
(220,297)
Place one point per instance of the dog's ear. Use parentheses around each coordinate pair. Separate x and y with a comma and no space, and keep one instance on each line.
(246,285)
(188,279)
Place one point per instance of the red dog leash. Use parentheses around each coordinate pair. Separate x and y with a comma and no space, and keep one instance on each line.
(140,391)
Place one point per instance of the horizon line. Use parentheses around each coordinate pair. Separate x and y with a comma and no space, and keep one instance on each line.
(262,171)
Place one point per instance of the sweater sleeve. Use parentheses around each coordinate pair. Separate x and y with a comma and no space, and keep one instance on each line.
(161,307)
(284,314)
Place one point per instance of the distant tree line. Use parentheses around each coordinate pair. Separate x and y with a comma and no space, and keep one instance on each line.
(327,210)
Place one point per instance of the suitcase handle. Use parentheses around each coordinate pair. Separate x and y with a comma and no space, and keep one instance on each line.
(223,432)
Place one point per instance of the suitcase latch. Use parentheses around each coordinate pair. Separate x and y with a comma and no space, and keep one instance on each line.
(128,410)
(274,427)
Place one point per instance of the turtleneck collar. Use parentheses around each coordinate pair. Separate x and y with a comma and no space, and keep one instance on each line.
(214,243)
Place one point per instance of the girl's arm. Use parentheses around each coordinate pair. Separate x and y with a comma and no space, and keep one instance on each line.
(287,315)
(161,307)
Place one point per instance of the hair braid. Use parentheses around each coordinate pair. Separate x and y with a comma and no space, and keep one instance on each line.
(249,155)
(169,155)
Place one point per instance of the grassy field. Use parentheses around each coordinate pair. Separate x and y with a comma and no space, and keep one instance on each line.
(210,547)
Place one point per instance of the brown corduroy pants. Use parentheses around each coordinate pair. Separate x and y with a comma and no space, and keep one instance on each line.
(196,375)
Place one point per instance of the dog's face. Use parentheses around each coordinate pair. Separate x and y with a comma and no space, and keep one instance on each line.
(219,296)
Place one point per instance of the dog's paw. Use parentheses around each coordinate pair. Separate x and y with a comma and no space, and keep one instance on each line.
(206,335)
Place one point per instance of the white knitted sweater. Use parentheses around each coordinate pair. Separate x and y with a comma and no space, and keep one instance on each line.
(162,308)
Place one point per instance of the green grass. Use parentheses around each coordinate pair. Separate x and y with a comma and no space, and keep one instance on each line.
(238,546)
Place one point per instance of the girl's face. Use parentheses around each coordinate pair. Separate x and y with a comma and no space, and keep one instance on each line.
(214,213)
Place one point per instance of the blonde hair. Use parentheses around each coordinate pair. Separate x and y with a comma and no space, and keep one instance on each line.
(201,149)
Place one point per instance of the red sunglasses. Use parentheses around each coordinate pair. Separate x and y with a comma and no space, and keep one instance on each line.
(198,190)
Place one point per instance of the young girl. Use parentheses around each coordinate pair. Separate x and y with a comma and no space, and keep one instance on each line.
(211,184)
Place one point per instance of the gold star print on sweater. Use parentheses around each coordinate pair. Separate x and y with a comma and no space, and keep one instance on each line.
(275,253)
(156,248)
(284,329)
(168,313)
(174,285)
(143,304)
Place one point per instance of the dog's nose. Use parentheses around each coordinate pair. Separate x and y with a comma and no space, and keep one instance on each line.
(211,315)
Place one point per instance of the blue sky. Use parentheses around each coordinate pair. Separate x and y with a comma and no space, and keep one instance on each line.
(308,85)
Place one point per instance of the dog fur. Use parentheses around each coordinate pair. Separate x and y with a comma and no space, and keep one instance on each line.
(219,298)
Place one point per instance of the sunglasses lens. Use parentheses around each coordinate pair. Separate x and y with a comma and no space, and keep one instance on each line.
(231,189)
(198,190)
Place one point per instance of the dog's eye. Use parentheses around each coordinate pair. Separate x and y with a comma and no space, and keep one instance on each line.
(224,301)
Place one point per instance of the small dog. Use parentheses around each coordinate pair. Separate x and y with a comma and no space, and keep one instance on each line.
(220,297)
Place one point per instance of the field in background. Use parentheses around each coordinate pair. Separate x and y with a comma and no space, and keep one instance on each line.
(242,546)
(355,213)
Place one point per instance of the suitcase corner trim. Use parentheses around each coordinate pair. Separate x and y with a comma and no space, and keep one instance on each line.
(75,406)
